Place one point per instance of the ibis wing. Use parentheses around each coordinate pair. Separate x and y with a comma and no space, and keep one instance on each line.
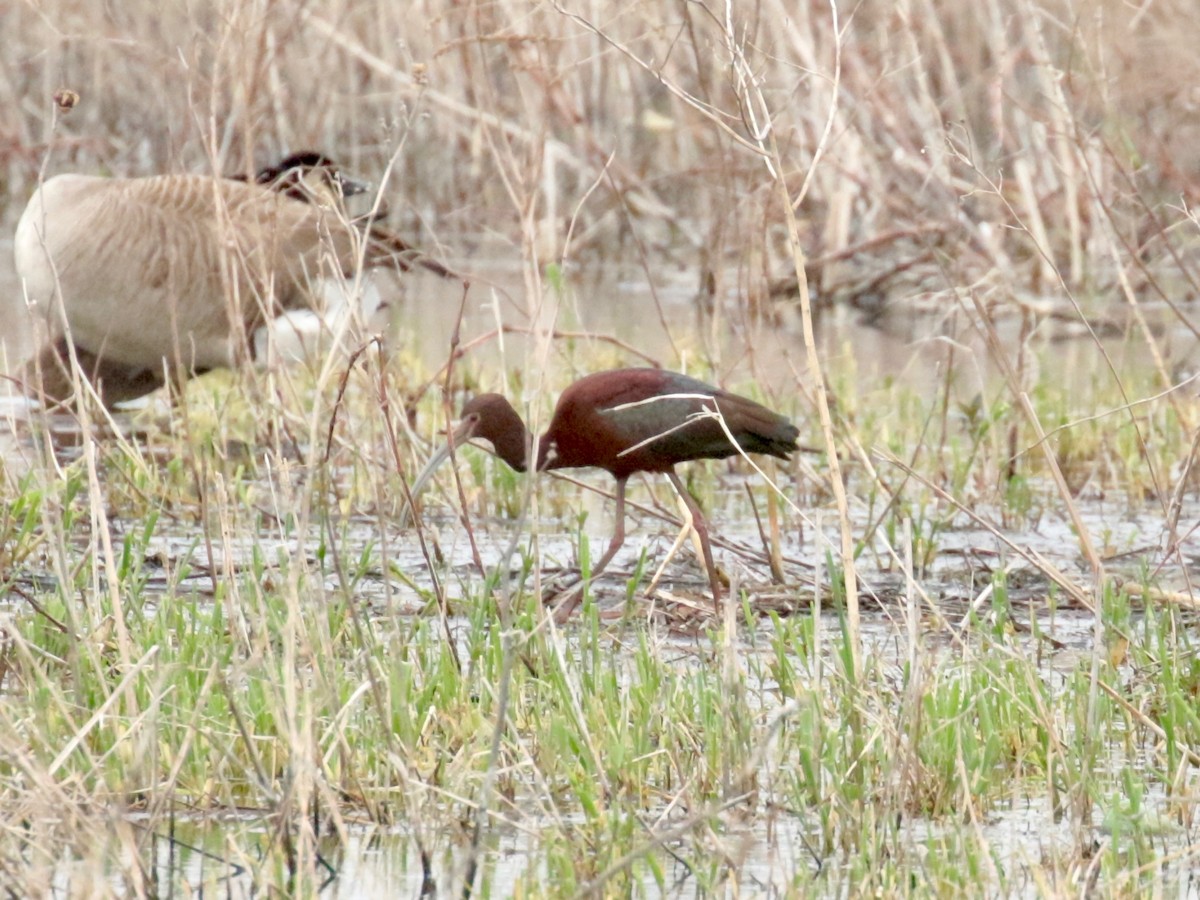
(647,420)
(678,427)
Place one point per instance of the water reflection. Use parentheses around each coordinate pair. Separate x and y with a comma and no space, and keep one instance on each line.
(233,854)
(916,352)
(619,315)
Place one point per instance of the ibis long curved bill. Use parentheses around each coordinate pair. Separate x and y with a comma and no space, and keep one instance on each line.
(487,416)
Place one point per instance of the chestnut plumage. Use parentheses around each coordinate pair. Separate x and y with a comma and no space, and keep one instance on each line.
(626,421)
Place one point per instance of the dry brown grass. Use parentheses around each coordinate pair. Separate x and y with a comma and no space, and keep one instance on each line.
(1003,142)
(1032,158)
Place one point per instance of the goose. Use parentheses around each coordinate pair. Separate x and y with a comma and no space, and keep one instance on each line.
(175,273)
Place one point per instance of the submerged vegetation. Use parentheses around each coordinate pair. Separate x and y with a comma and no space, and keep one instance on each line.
(959,653)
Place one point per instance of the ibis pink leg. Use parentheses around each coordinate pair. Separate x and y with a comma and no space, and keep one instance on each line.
(702,533)
(571,597)
(618,537)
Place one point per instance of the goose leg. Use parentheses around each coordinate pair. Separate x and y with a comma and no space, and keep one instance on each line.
(48,376)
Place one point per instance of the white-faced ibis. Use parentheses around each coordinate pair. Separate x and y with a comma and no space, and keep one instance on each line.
(177,271)
(627,421)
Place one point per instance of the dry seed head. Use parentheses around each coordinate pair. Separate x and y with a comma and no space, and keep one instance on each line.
(66,100)
(420,73)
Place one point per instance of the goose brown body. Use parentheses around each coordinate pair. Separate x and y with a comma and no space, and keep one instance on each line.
(143,266)
(174,270)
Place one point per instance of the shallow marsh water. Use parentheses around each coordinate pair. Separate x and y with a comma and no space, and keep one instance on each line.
(772,844)
(615,314)
(912,351)
(218,853)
